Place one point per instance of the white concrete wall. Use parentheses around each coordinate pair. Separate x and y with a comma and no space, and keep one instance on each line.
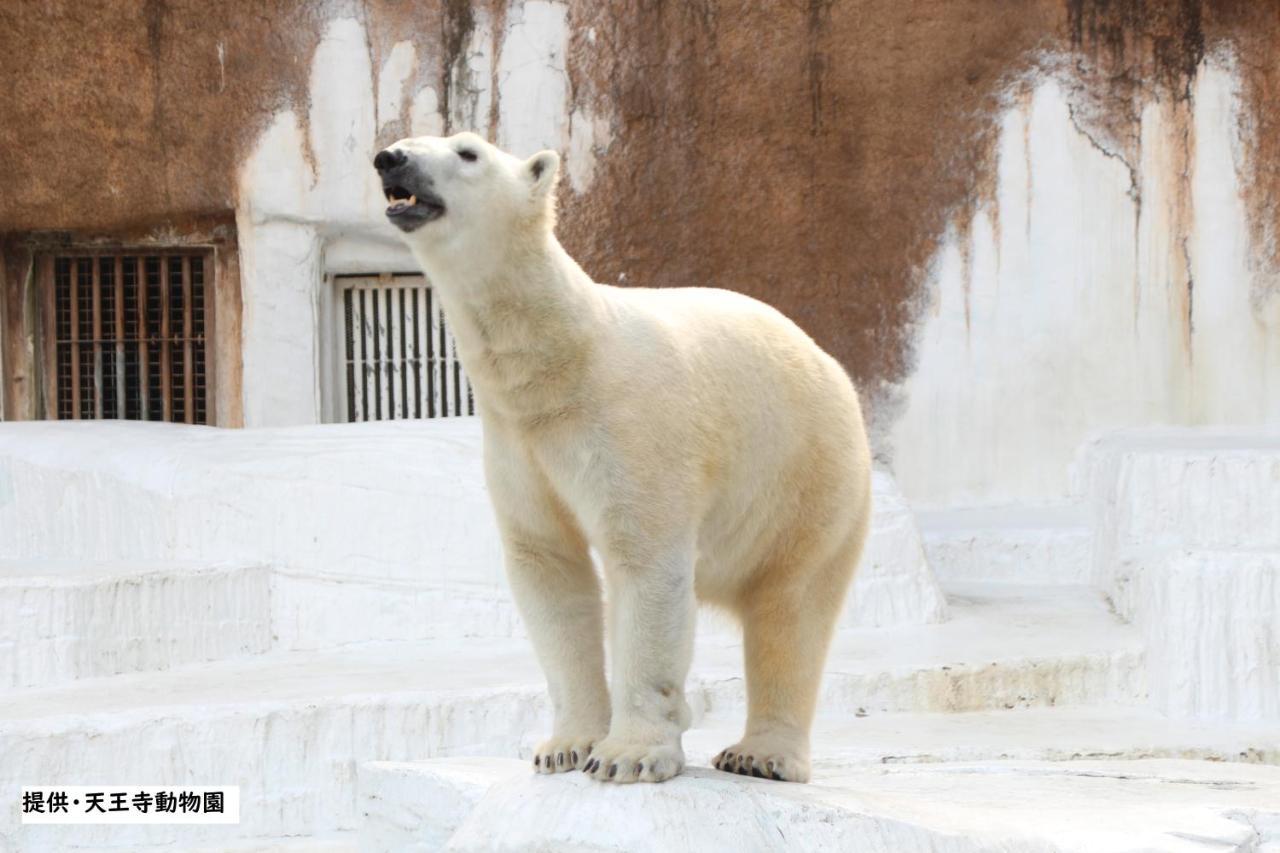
(309,202)
(1092,290)
(1090,293)
(386,523)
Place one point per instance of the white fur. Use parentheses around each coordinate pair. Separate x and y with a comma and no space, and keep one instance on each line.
(699,440)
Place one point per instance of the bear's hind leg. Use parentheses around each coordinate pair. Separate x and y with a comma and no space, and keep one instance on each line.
(786,632)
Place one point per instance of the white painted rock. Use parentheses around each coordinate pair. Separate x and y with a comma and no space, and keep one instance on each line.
(894,584)
(414,807)
(1094,806)
(1027,544)
(373,524)
(65,620)
(1158,489)
(1212,625)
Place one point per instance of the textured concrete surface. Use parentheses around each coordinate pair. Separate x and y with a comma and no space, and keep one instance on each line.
(918,184)
(1093,806)
(1212,625)
(291,728)
(1031,544)
(366,522)
(63,621)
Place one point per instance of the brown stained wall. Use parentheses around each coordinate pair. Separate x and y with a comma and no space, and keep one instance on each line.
(808,153)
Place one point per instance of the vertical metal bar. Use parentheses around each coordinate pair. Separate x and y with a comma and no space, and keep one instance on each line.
(433,393)
(424,350)
(406,410)
(443,344)
(188,373)
(96,306)
(388,344)
(117,279)
(349,362)
(417,350)
(166,365)
(377,354)
(75,338)
(364,356)
(144,390)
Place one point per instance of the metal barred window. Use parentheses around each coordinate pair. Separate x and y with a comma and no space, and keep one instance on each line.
(398,356)
(127,335)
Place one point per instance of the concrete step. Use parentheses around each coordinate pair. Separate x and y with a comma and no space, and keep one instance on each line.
(63,620)
(1004,646)
(67,618)
(1155,490)
(364,524)
(1010,806)
(1211,620)
(1030,734)
(1031,544)
(291,727)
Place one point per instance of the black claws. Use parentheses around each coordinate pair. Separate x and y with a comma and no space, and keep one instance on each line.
(613,770)
(574,756)
(537,761)
(560,759)
(745,765)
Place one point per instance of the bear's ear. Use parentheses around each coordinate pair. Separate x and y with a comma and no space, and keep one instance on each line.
(541,171)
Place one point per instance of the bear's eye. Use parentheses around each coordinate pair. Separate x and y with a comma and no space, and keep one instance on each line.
(467,154)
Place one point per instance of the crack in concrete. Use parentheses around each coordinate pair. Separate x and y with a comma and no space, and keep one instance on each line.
(1135,189)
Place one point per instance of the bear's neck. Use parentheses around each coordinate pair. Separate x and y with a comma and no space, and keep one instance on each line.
(524,316)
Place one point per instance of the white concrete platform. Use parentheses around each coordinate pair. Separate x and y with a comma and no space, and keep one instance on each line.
(63,620)
(1032,544)
(1156,489)
(291,727)
(1002,647)
(1211,620)
(1187,546)
(1086,806)
(389,500)
(400,506)
(1028,734)
(895,584)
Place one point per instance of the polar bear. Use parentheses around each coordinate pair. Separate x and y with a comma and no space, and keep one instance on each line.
(698,440)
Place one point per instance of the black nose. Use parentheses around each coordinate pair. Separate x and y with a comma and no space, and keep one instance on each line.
(389,159)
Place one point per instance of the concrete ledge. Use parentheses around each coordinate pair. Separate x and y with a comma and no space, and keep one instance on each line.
(414,807)
(1099,807)
(1010,544)
(294,726)
(1156,489)
(894,584)
(1212,624)
(62,621)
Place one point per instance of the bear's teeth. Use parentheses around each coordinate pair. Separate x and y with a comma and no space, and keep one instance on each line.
(413,199)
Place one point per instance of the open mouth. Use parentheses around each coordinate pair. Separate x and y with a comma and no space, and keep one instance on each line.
(407,210)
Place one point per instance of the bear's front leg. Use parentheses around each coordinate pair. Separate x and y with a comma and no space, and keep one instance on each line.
(559,598)
(556,589)
(652,612)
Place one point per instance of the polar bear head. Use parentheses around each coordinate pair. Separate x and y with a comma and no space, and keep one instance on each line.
(443,191)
